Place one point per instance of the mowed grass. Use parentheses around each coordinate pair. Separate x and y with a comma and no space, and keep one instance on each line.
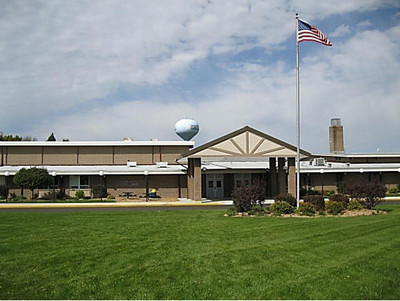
(197,255)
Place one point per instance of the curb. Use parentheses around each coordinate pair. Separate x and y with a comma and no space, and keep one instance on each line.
(105,205)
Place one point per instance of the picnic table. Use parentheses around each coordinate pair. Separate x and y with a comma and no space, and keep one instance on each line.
(128,194)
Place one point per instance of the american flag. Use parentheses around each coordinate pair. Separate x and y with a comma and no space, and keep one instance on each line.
(307,32)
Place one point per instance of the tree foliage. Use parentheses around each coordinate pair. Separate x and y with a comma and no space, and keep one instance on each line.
(369,195)
(51,137)
(99,191)
(16,138)
(10,138)
(247,196)
(33,178)
(286,197)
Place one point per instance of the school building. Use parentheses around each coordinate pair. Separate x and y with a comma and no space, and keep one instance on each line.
(180,170)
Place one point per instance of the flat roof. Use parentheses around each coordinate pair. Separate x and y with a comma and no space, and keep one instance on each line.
(334,167)
(97,143)
(366,155)
(328,167)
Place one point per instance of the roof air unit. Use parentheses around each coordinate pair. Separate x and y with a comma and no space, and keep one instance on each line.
(319,162)
(131,164)
(162,164)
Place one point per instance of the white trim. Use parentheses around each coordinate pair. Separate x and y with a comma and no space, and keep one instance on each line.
(97,143)
(371,155)
(106,169)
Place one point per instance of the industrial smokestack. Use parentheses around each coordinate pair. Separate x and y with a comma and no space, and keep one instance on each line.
(336,140)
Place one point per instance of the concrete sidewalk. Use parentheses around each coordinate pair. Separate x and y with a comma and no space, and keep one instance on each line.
(151,203)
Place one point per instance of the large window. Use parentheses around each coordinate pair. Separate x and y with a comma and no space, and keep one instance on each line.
(79,182)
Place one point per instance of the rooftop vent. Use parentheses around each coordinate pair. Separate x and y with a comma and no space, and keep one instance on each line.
(319,162)
(131,163)
(162,164)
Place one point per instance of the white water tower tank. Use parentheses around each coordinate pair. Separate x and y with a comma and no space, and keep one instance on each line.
(186,128)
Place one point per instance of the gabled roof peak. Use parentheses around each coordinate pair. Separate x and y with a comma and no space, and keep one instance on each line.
(245,142)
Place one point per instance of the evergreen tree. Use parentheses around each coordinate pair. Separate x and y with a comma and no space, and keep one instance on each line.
(51,137)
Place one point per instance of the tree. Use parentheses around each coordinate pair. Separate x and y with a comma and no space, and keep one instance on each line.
(51,137)
(10,138)
(32,178)
(369,195)
(16,138)
(247,196)
(99,191)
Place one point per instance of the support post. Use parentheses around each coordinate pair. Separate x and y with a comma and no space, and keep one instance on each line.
(273,177)
(194,179)
(291,176)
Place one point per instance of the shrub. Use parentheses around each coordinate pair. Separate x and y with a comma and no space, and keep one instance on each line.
(306,209)
(369,195)
(59,195)
(257,210)
(354,205)
(99,191)
(329,193)
(313,192)
(334,208)
(49,195)
(281,207)
(393,190)
(286,197)
(110,197)
(80,194)
(341,187)
(304,192)
(17,198)
(344,199)
(317,200)
(230,212)
(245,197)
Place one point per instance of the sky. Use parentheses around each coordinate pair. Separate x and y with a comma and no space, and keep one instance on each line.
(105,70)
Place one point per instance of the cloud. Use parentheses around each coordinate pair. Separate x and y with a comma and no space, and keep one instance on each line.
(65,65)
(341,31)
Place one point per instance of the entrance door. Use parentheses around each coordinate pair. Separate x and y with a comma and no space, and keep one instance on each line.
(215,185)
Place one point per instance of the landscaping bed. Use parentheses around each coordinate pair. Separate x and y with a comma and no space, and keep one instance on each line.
(346,213)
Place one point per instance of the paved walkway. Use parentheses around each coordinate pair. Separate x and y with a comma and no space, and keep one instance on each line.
(151,203)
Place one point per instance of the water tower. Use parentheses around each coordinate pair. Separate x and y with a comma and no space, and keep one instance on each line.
(186,128)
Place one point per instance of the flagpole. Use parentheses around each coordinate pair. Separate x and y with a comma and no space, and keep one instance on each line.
(298,113)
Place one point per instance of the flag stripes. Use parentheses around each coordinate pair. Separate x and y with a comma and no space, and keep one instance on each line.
(307,32)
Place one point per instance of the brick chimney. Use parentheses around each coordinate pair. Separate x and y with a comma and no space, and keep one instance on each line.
(336,140)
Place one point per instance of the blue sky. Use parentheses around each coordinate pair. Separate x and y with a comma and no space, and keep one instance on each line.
(104,70)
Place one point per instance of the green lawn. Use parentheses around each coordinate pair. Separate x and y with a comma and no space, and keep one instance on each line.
(197,255)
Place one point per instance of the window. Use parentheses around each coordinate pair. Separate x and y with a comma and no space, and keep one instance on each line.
(2,180)
(242,179)
(79,182)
